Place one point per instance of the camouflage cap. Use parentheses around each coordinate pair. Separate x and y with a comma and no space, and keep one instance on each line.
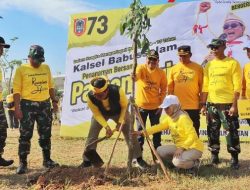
(216,43)
(184,50)
(37,52)
(153,54)
(2,43)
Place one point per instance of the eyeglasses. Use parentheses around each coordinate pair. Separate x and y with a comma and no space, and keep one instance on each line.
(232,25)
(152,59)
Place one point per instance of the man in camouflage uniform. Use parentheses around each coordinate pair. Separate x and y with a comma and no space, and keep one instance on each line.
(221,89)
(3,121)
(33,89)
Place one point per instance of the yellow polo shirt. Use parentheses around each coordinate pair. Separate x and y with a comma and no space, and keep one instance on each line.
(185,81)
(151,87)
(33,83)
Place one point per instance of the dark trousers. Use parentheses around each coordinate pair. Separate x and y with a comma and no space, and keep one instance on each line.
(14,123)
(3,128)
(217,116)
(195,117)
(154,120)
(41,113)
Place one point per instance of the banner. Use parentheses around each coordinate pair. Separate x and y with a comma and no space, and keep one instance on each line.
(95,47)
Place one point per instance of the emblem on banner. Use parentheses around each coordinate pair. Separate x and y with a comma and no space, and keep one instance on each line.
(80,26)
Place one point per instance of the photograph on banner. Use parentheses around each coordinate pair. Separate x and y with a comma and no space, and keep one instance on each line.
(96,47)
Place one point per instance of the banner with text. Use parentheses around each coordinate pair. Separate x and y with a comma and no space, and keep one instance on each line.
(96,47)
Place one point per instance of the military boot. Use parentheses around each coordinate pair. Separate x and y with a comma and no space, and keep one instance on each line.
(22,168)
(215,159)
(47,161)
(235,161)
(4,162)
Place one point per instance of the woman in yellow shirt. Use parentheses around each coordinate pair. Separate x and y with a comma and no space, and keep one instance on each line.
(187,148)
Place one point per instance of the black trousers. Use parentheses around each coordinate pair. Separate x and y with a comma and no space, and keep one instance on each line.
(195,117)
(154,120)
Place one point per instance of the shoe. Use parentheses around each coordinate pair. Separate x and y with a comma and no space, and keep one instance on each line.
(195,169)
(215,159)
(50,163)
(4,162)
(22,168)
(235,162)
(85,164)
(140,163)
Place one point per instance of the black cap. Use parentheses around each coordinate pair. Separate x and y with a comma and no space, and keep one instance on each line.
(37,52)
(216,43)
(184,50)
(2,43)
(153,54)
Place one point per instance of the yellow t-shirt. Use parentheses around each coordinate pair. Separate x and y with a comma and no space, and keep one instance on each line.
(185,81)
(246,81)
(151,87)
(222,78)
(1,85)
(33,83)
(181,130)
(97,113)
(10,99)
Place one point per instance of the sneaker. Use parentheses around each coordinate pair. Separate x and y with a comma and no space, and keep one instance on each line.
(85,164)
(4,162)
(22,168)
(140,163)
(50,163)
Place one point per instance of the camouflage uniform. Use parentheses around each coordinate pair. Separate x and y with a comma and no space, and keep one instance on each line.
(3,128)
(41,113)
(217,115)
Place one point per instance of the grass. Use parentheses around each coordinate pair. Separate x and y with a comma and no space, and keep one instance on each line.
(68,152)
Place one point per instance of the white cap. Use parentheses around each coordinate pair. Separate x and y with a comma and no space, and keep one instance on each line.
(169,100)
(247,46)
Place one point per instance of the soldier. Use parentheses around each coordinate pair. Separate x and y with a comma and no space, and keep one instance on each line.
(221,90)
(33,90)
(185,81)
(3,121)
(108,101)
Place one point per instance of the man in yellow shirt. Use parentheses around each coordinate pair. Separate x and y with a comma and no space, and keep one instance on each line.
(185,81)
(246,78)
(151,88)
(187,148)
(3,121)
(221,90)
(14,123)
(33,89)
(108,101)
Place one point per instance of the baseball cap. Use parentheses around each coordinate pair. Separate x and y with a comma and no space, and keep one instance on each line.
(37,52)
(2,43)
(169,100)
(184,50)
(247,46)
(153,54)
(216,43)
(99,84)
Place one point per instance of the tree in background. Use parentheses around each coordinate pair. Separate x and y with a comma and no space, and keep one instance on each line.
(135,25)
(8,67)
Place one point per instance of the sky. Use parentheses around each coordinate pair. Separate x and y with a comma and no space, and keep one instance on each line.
(45,23)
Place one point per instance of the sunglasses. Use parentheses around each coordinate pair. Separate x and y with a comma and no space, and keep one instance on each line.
(232,25)
(152,59)
(214,47)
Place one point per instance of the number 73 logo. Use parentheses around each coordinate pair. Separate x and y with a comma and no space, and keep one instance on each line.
(80,25)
